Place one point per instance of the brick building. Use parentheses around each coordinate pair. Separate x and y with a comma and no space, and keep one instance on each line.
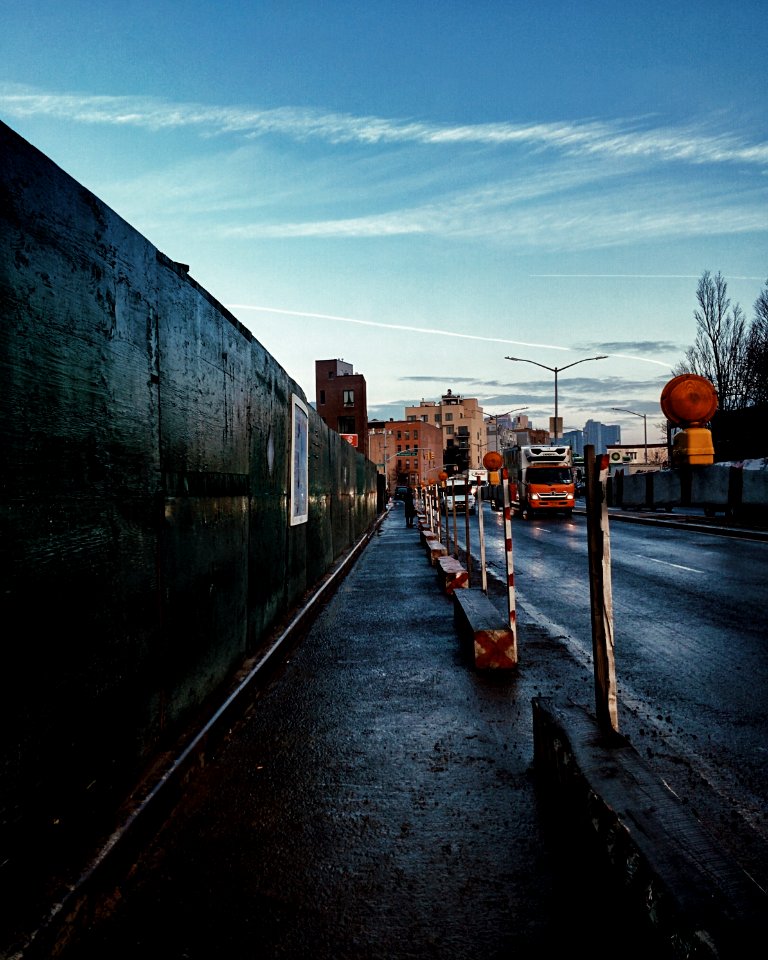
(341,400)
(406,452)
(460,420)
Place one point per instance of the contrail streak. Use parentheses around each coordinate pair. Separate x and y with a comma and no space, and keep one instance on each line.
(429,330)
(626,276)
(391,326)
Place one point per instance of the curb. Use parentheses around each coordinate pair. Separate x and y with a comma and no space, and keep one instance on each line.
(694,899)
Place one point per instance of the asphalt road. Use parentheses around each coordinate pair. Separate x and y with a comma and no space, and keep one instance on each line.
(690,615)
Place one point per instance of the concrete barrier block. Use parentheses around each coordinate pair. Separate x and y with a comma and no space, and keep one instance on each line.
(754,491)
(666,488)
(633,490)
(452,574)
(435,549)
(494,644)
(693,896)
(709,485)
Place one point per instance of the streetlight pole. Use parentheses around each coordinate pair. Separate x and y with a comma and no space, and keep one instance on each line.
(557,370)
(645,426)
(495,418)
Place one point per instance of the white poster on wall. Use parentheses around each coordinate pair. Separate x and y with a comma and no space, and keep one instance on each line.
(299,461)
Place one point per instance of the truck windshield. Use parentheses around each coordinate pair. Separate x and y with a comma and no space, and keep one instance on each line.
(550,475)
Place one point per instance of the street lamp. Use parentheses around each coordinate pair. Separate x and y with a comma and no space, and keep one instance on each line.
(645,426)
(495,416)
(557,370)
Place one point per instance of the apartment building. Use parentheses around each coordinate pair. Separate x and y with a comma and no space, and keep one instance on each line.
(341,400)
(505,430)
(406,452)
(460,420)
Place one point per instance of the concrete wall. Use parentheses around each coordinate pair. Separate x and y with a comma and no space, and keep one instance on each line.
(146,542)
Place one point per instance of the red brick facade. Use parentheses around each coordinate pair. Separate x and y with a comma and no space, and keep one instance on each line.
(342,401)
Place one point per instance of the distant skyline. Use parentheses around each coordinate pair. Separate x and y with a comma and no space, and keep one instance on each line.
(423,189)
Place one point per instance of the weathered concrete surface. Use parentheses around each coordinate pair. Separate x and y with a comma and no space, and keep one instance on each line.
(144,504)
(669,869)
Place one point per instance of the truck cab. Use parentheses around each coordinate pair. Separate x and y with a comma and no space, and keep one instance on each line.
(541,479)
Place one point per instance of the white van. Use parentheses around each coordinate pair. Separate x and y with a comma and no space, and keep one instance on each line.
(459,493)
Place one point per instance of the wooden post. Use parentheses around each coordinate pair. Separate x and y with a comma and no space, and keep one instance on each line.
(466,534)
(511,600)
(481,536)
(600,594)
(455,540)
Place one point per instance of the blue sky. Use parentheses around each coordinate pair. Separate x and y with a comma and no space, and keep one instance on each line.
(423,189)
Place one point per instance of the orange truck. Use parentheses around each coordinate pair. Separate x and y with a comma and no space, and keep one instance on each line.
(541,479)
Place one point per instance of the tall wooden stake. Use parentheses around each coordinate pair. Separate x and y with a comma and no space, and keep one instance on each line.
(600,594)
(511,601)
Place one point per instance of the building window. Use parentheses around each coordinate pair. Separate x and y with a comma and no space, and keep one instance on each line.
(425,418)
(415,434)
(322,396)
(449,416)
(349,398)
(346,425)
(438,418)
(449,431)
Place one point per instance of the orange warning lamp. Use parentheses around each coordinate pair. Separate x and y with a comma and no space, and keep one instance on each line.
(493,460)
(690,401)
(442,477)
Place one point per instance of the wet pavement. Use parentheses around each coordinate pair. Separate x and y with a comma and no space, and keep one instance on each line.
(378,800)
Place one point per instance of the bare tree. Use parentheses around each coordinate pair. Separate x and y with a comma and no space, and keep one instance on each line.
(757,352)
(720,350)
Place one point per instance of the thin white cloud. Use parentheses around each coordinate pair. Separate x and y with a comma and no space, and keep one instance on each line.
(621,140)
(591,185)
(550,223)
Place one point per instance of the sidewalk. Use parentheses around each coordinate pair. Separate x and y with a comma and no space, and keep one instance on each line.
(372,795)
(376,802)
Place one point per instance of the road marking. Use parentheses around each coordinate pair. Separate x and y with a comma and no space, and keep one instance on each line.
(677,566)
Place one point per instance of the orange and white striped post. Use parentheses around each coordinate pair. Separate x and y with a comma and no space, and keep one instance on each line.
(509,557)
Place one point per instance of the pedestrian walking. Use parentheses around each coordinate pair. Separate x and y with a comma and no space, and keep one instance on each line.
(410,507)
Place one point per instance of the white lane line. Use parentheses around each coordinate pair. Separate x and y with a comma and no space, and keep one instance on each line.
(677,566)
